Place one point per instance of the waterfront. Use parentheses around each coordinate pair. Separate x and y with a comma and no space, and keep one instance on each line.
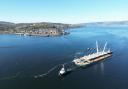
(21,58)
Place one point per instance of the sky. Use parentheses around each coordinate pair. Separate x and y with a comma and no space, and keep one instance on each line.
(63,11)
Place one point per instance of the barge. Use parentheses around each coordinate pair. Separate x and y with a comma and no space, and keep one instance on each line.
(94,57)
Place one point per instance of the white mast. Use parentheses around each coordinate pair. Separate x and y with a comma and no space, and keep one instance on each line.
(105,46)
(97,47)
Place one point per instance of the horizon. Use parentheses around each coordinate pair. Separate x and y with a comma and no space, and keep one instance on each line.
(64,11)
(68,23)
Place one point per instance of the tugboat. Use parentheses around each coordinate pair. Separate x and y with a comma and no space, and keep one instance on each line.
(64,71)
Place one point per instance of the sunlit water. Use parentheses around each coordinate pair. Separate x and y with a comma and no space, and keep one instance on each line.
(21,58)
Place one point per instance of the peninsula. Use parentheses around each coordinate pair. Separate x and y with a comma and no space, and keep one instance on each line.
(36,29)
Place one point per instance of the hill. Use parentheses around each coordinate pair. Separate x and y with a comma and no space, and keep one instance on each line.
(42,28)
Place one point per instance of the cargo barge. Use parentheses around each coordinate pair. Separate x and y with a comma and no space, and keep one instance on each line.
(94,57)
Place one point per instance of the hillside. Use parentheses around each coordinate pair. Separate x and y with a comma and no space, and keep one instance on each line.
(43,28)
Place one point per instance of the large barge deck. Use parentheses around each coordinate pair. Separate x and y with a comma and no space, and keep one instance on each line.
(92,58)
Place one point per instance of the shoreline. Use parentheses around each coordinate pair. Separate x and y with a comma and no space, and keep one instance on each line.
(44,29)
(30,34)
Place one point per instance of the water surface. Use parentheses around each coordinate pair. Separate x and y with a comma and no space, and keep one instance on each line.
(23,57)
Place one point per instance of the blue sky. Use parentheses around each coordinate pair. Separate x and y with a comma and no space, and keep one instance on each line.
(65,11)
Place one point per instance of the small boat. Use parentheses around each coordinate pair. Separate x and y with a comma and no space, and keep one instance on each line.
(62,71)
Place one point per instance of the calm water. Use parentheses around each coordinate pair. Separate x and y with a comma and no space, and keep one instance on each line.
(21,58)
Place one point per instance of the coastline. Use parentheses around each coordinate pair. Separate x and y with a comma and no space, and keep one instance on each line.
(29,34)
(45,29)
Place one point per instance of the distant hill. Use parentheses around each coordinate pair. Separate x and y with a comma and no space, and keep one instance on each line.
(42,28)
(6,25)
(112,23)
(30,26)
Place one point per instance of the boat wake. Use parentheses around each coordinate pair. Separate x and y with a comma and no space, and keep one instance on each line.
(11,77)
(48,72)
